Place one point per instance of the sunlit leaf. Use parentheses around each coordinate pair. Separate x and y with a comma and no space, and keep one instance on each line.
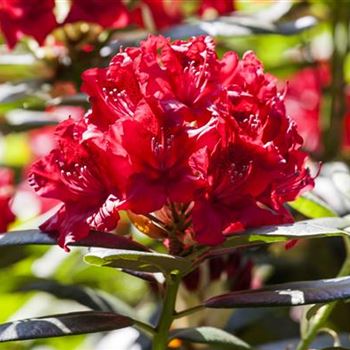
(74,100)
(210,335)
(63,325)
(22,120)
(312,207)
(138,261)
(287,294)
(316,228)
(228,26)
(341,181)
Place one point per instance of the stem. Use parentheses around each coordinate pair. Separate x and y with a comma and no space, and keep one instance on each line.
(160,340)
(340,36)
(323,314)
(145,327)
(189,311)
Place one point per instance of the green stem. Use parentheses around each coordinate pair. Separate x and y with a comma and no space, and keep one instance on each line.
(145,327)
(190,311)
(323,314)
(340,36)
(160,340)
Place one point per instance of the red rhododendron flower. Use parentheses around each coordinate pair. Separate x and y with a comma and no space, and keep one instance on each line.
(157,14)
(303,102)
(235,270)
(74,174)
(6,191)
(106,13)
(220,7)
(204,144)
(26,17)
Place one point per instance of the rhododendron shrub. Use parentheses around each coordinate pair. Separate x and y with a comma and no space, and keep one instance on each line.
(37,18)
(201,144)
(6,193)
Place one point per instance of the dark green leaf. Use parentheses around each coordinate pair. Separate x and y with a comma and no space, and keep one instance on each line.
(240,26)
(74,100)
(63,325)
(22,120)
(95,239)
(138,261)
(287,294)
(312,207)
(314,228)
(95,300)
(312,311)
(210,335)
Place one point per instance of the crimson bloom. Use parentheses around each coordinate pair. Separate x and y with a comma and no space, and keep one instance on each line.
(74,174)
(6,191)
(203,144)
(303,102)
(157,14)
(106,13)
(26,17)
(219,7)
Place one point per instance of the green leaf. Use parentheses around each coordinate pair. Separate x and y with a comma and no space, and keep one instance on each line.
(336,348)
(95,300)
(137,261)
(229,26)
(95,239)
(210,335)
(341,180)
(287,294)
(63,325)
(74,100)
(312,207)
(315,228)
(19,120)
(27,102)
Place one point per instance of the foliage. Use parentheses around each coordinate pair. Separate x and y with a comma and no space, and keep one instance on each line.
(211,269)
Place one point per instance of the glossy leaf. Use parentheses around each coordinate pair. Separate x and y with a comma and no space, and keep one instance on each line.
(22,120)
(228,26)
(341,180)
(315,228)
(210,335)
(95,239)
(287,294)
(63,325)
(74,100)
(138,261)
(95,300)
(312,207)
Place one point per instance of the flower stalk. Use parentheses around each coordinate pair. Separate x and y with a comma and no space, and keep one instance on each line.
(323,314)
(160,339)
(341,42)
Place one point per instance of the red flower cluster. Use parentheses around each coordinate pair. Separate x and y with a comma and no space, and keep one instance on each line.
(36,17)
(26,17)
(204,144)
(303,102)
(235,269)
(6,191)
